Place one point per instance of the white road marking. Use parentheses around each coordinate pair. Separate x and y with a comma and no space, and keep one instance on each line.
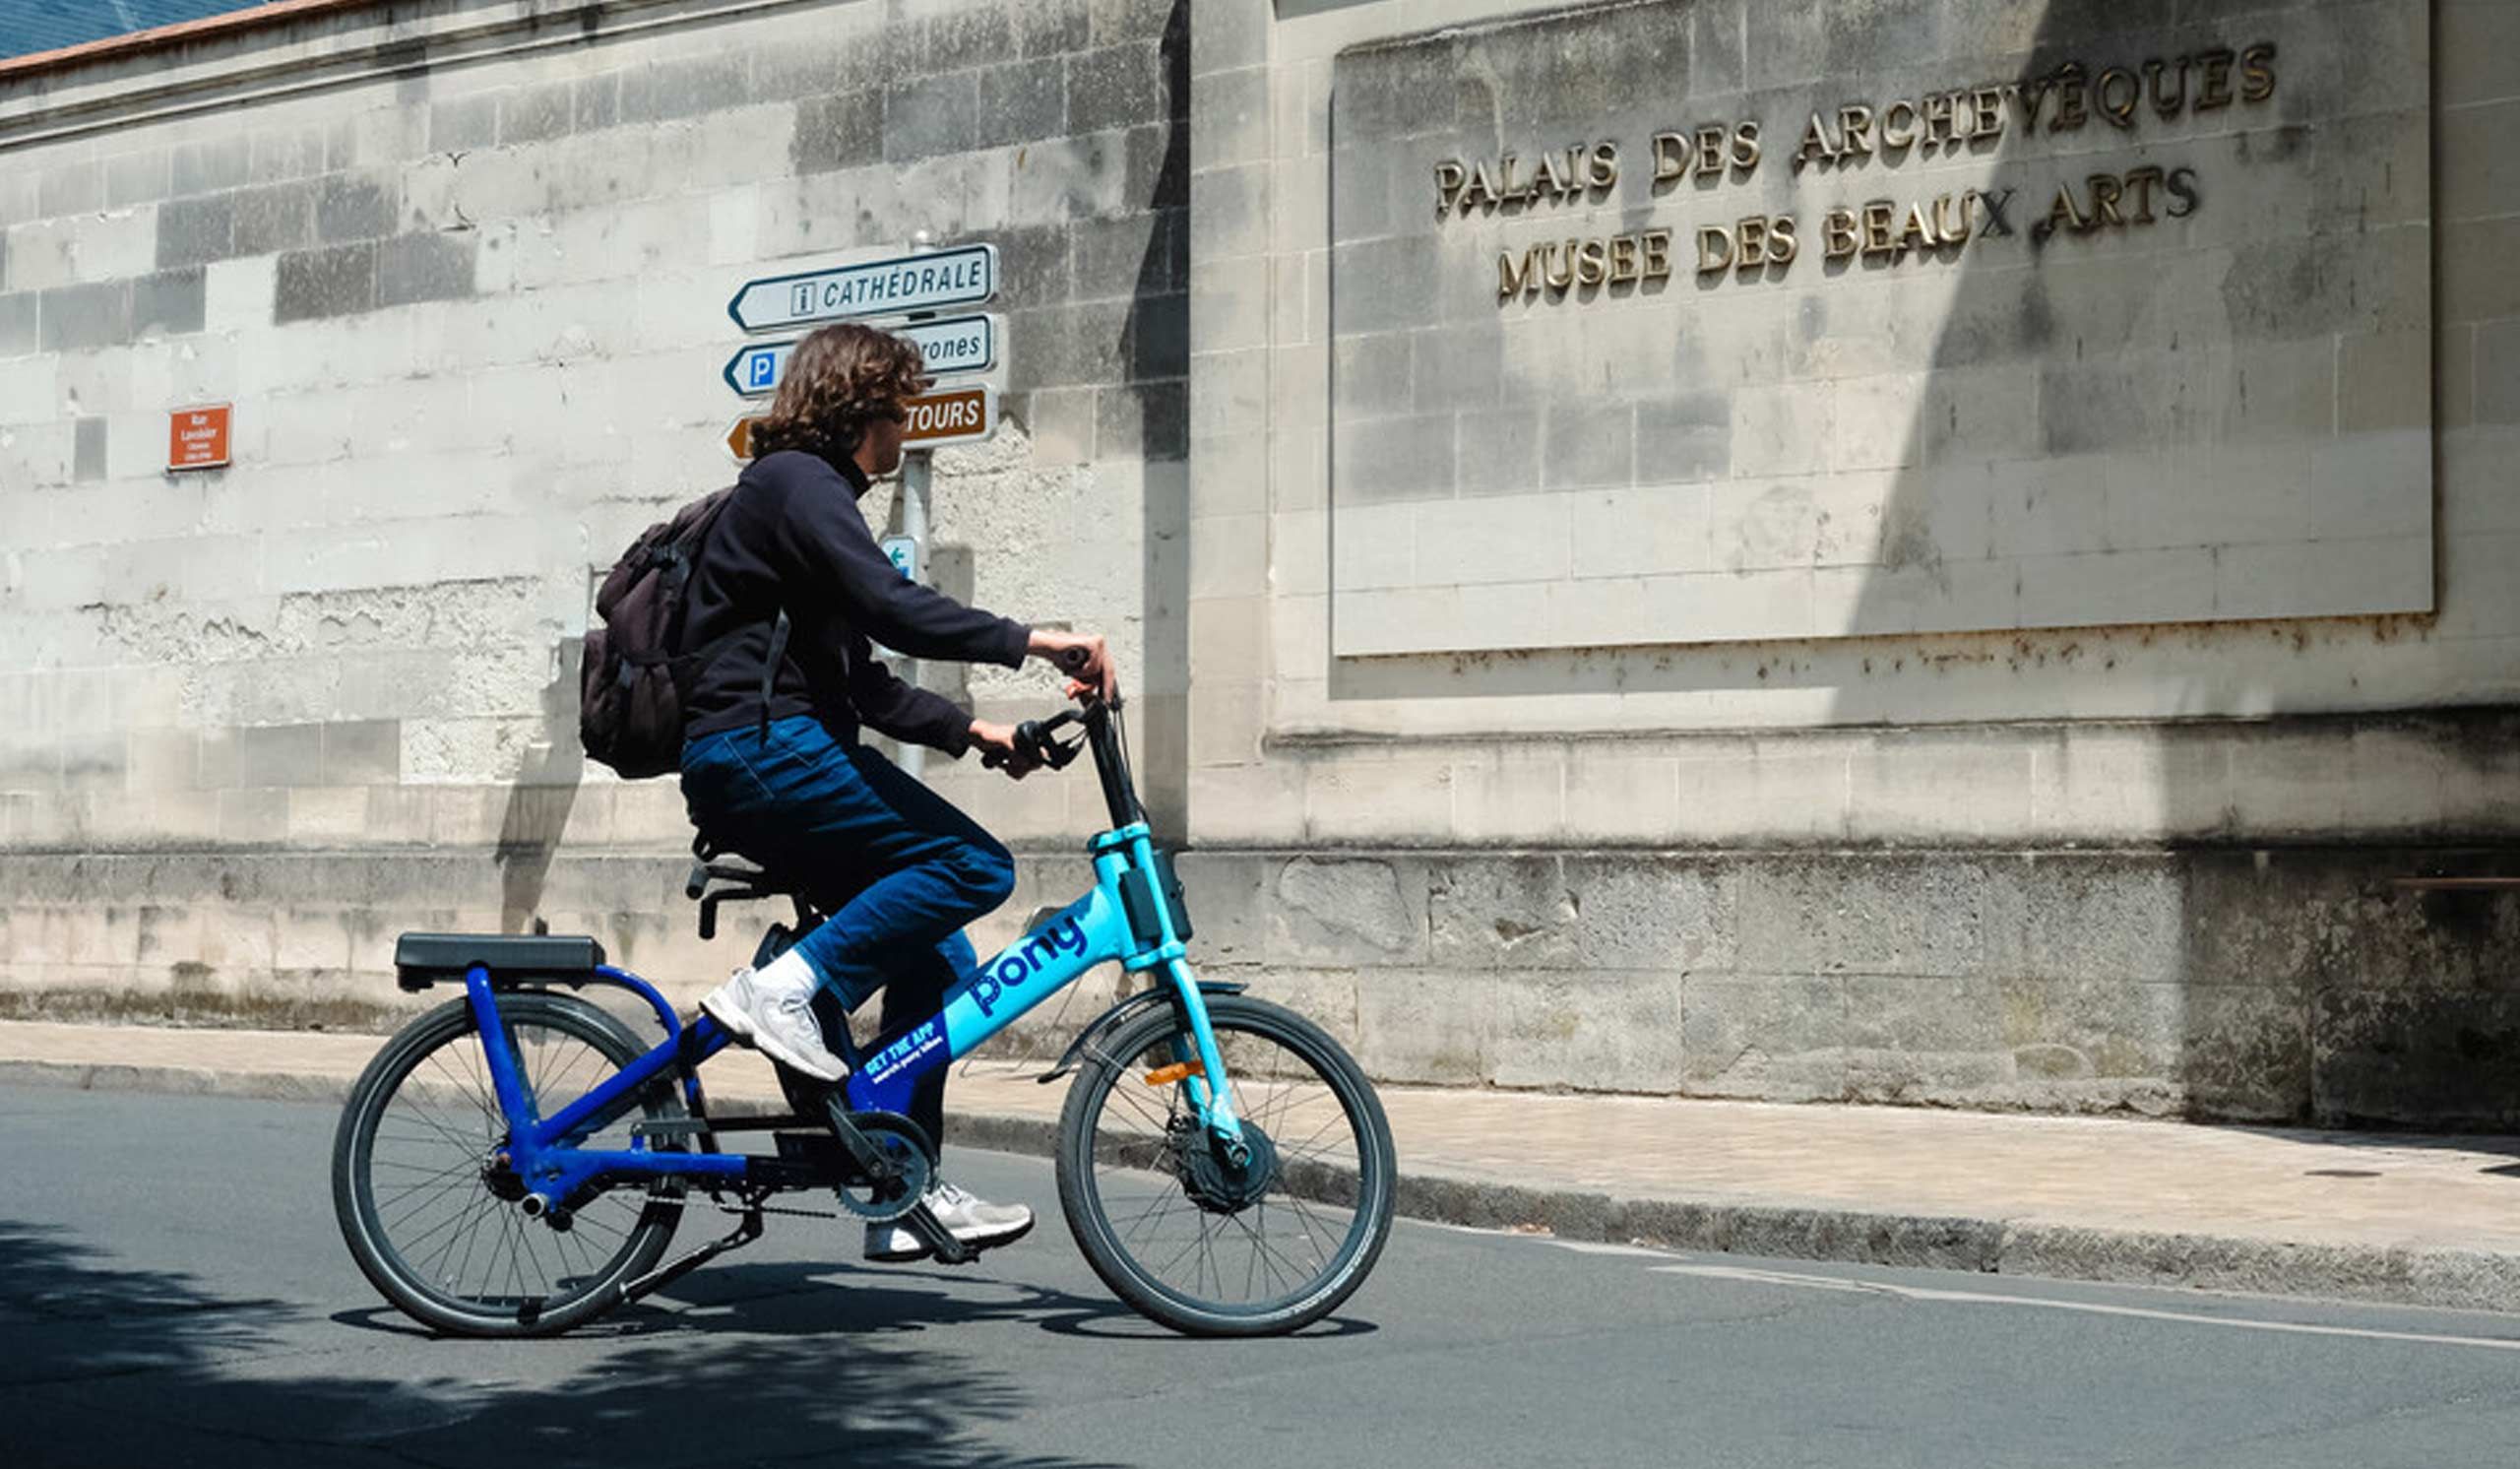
(2092,1308)
(1595,1247)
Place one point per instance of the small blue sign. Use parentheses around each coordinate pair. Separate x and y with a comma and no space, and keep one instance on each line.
(754,371)
(902,552)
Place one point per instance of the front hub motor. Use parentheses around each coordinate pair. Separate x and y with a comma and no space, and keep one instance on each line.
(1213,1182)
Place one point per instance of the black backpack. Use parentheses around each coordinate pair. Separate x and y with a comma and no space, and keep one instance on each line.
(630,686)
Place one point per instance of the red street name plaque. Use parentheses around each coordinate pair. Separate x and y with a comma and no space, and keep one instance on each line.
(196,437)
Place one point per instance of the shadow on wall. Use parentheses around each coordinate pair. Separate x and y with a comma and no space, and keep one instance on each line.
(1158,354)
(2289,984)
(108,1363)
(540,796)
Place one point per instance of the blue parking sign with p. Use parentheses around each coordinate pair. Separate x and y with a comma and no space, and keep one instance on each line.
(754,371)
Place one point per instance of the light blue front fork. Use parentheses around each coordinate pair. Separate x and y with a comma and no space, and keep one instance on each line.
(1211,1092)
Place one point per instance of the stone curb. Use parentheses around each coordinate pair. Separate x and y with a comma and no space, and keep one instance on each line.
(2450,1279)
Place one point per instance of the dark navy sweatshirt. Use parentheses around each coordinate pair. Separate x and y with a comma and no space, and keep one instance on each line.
(792,535)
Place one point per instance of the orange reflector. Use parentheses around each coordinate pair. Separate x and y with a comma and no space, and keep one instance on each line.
(1166,1076)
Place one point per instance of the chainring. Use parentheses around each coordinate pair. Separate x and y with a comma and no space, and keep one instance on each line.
(901,1140)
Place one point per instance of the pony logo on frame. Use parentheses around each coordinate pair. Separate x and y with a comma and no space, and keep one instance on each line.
(1064,938)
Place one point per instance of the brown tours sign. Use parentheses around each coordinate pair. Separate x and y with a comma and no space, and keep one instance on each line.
(959,416)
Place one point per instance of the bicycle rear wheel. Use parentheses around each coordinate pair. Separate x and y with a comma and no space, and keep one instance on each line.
(1189,1239)
(437,1230)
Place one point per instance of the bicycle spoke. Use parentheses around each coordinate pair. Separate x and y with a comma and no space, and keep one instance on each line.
(470,1224)
(482,1093)
(1161,1206)
(1260,1254)
(453,1240)
(417,1114)
(414,1209)
(1286,1246)
(442,1178)
(1264,1229)
(463,1210)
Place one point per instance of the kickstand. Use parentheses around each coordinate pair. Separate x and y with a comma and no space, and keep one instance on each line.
(748,1230)
(940,1241)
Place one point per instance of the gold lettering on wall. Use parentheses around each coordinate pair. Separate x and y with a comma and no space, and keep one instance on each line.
(1556,267)
(2066,99)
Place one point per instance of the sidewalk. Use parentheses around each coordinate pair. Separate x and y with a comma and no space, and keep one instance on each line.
(2418,1220)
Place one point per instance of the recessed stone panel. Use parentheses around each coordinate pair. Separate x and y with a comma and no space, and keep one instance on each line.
(1948,318)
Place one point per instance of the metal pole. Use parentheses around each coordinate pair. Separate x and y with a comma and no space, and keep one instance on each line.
(914,472)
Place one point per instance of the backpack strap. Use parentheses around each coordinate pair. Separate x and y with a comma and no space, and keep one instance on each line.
(769,665)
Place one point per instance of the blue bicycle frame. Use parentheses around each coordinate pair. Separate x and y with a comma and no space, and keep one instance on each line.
(1094,929)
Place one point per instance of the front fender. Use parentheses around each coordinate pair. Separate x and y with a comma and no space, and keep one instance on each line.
(1111,1018)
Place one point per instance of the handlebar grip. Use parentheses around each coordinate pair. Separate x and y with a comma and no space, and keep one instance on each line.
(1027,744)
(698,882)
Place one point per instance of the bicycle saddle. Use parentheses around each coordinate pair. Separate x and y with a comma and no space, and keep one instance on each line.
(744,882)
(715,864)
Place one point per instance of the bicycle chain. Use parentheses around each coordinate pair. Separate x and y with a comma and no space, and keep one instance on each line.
(725,1207)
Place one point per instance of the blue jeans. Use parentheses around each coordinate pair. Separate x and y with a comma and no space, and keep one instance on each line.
(897,867)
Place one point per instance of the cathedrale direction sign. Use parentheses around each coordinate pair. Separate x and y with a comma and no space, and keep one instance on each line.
(926,281)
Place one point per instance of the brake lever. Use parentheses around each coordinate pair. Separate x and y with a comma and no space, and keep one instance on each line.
(1033,741)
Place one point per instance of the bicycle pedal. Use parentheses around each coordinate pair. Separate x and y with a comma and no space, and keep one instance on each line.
(942,1246)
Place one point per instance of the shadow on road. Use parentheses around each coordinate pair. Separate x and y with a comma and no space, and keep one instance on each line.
(101,1366)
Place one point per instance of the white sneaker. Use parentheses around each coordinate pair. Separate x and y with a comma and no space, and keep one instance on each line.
(965,1216)
(779,1019)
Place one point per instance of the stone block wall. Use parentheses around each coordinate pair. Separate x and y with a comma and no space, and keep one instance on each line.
(1263,544)
(463,270)
(2292,985)
(2357,747)
(466,284)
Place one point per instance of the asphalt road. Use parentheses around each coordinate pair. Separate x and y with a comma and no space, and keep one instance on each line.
(173,1291)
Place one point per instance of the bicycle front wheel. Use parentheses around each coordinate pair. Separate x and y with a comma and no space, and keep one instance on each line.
(1192,1239)
(436,1227)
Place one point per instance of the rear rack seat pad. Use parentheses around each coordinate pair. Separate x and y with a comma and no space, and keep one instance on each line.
(423,959)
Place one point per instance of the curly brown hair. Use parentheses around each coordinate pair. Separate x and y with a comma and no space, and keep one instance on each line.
(836,381)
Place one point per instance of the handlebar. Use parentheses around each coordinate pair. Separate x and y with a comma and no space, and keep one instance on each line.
(1036,740)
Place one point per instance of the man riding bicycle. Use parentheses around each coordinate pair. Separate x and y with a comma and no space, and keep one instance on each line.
(773,763)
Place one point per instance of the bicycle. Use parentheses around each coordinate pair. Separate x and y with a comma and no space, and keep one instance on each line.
(479,1208)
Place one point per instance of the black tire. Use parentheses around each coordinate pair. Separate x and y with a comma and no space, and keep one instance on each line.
(429,1136)
(1142,1160)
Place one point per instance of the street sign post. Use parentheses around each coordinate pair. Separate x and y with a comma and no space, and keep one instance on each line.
(956,344)
(924,280)
(918,284)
